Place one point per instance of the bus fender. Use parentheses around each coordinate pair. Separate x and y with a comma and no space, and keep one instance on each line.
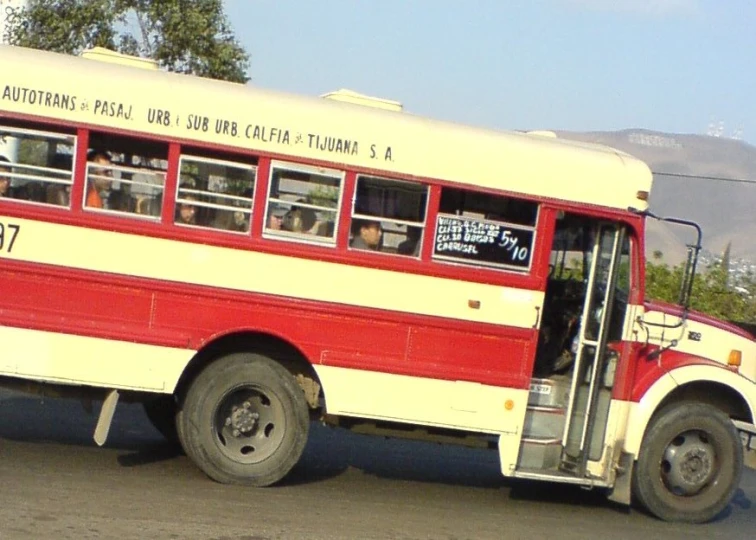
(641,412)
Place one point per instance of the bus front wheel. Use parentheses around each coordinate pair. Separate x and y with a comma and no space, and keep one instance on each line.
(689,465)
(244,420)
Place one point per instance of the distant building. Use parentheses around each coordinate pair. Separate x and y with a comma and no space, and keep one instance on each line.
(5,7)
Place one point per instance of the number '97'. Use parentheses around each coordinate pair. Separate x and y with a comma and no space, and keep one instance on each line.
(8,234)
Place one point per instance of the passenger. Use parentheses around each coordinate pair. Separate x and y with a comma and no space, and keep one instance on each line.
(366,234)
(299,220)
(411,246)
(240,220)
(228,220)
(275,217)
(185,212)
(100,178)
(4,179)
(58,194)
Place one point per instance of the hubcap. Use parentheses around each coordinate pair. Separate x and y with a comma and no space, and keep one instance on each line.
(689,463)
(249,424)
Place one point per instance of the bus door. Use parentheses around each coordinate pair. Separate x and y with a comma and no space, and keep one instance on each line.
(584,313)
(589,400)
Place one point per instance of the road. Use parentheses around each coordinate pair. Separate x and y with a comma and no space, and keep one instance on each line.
(57,484)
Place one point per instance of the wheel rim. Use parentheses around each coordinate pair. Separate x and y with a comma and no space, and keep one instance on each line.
(249,424)
(689,463)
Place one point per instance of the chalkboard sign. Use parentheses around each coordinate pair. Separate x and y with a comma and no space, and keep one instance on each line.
(484,242)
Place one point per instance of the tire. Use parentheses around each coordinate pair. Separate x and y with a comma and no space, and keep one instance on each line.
(690,463)
(161,412)
(244,420)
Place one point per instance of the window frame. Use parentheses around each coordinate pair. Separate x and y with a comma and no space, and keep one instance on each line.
(34,178)
(304,238)
(140,143)
(248,210)
(422,225)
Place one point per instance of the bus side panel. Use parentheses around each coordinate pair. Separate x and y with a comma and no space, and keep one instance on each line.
(186,316)
(502,359)
(361,338)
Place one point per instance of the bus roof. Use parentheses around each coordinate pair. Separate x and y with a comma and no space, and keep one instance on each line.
(117,96)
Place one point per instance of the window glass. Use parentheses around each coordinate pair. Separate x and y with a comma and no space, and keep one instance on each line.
(37,166)
(125,176)
(215,194)
(388,216)
(484,229)
(303,203)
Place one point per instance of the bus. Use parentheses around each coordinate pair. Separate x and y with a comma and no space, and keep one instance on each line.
(244,262)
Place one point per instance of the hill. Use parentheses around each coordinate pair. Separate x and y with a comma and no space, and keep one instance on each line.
(723,209)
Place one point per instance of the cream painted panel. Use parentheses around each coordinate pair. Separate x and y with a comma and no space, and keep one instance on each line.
(65,358)
(243,116)
(135,255)
(432,402)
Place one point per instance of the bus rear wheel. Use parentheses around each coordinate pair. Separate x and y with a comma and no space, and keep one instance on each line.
(689,465)
(244,420)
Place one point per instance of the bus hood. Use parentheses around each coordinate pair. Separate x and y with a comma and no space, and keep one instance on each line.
(674,310)
(702,336)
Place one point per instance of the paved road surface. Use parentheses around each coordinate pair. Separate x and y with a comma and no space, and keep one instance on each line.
(57,484)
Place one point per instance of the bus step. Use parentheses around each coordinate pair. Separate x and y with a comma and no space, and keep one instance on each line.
(560,477)
(554,392)
(544,422)
(539,453)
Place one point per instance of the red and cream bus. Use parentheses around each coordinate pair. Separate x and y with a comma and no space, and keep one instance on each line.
(245,261)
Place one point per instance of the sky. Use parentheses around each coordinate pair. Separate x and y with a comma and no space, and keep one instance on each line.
(581,65)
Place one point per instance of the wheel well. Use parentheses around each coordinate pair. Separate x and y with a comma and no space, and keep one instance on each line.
(274,347)
(715,394)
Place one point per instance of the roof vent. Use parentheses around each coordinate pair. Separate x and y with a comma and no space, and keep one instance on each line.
(348,96)
(101,54)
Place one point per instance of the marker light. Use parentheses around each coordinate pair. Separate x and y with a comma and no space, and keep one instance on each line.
(734,359)
(642,195)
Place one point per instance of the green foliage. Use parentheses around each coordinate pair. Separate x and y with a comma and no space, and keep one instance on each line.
(326,196)
(713,291)
(183,36)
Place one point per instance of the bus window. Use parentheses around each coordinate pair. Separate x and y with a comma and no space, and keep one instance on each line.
(40,167)
(303,203)
(215,194)
(484,229)
(388,216)
(125,176)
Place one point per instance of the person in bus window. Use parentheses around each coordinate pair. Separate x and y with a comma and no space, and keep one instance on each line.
(366,234)
(59,194)
(4,179)
(411,246)
(186,213)
(276,214)
(99,178)
(299,219)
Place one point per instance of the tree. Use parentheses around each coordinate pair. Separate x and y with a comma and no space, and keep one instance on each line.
(714,292)
(184,36)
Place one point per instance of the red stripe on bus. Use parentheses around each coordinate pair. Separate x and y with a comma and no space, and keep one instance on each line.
(188,316)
